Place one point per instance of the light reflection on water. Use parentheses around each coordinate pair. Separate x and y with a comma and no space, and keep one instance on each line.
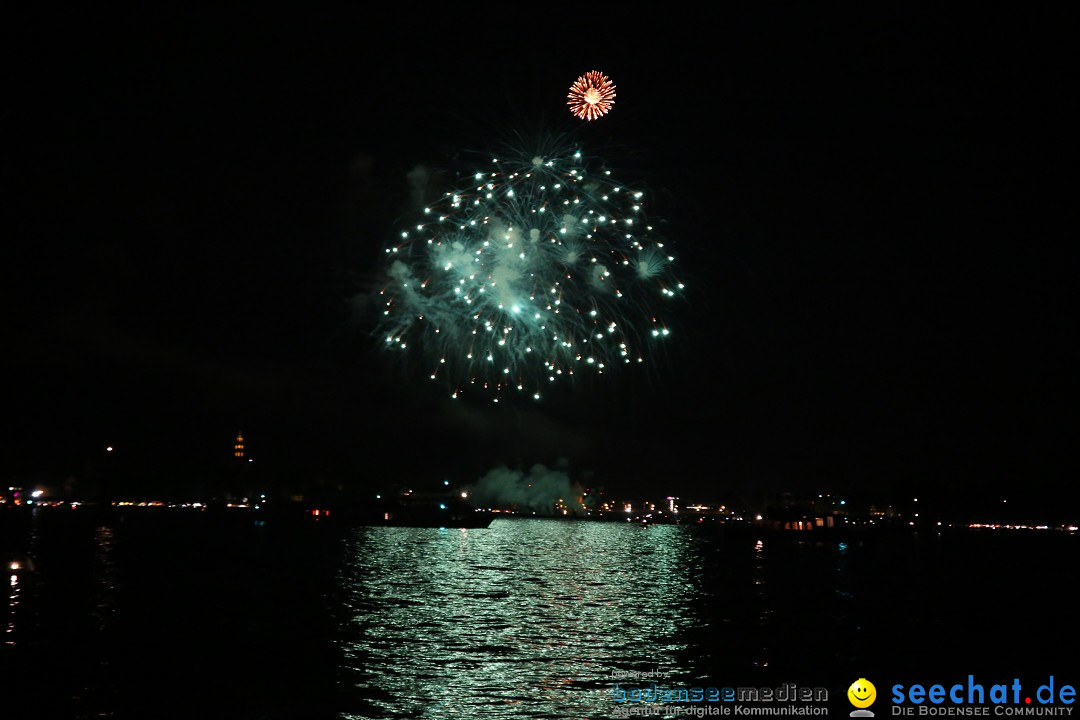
(104,599)
(528,618)
(13,609)
(531,616)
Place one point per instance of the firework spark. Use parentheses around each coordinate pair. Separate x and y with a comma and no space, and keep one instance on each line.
(591,95)
(536,269)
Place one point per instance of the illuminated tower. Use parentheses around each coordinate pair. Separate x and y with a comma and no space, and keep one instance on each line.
(238,446)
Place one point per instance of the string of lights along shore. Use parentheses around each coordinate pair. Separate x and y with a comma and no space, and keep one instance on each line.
(539,266)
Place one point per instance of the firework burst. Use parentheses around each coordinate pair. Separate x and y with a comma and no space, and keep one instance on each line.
(591,95)
(536,269)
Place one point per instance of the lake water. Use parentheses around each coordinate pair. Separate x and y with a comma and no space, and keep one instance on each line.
(177,618)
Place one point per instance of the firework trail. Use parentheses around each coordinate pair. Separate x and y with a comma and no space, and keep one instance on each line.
(536,269)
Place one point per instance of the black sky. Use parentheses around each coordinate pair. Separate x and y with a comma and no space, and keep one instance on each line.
(881,297)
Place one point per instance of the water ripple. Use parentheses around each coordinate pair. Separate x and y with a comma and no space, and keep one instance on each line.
(526,616)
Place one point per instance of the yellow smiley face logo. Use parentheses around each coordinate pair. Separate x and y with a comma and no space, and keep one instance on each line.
(862,693)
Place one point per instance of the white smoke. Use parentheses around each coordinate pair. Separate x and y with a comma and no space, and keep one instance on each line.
(419,179)
(536,491)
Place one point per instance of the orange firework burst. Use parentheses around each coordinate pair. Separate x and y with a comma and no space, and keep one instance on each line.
(591,95)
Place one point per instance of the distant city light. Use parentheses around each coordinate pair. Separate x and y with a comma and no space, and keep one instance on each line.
(38,493)
(109,448)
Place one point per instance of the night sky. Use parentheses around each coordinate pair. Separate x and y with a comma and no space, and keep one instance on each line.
(879,302)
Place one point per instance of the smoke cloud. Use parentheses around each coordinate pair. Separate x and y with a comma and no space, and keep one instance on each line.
(537,491)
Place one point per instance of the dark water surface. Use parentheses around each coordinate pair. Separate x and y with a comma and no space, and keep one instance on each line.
(172,616)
